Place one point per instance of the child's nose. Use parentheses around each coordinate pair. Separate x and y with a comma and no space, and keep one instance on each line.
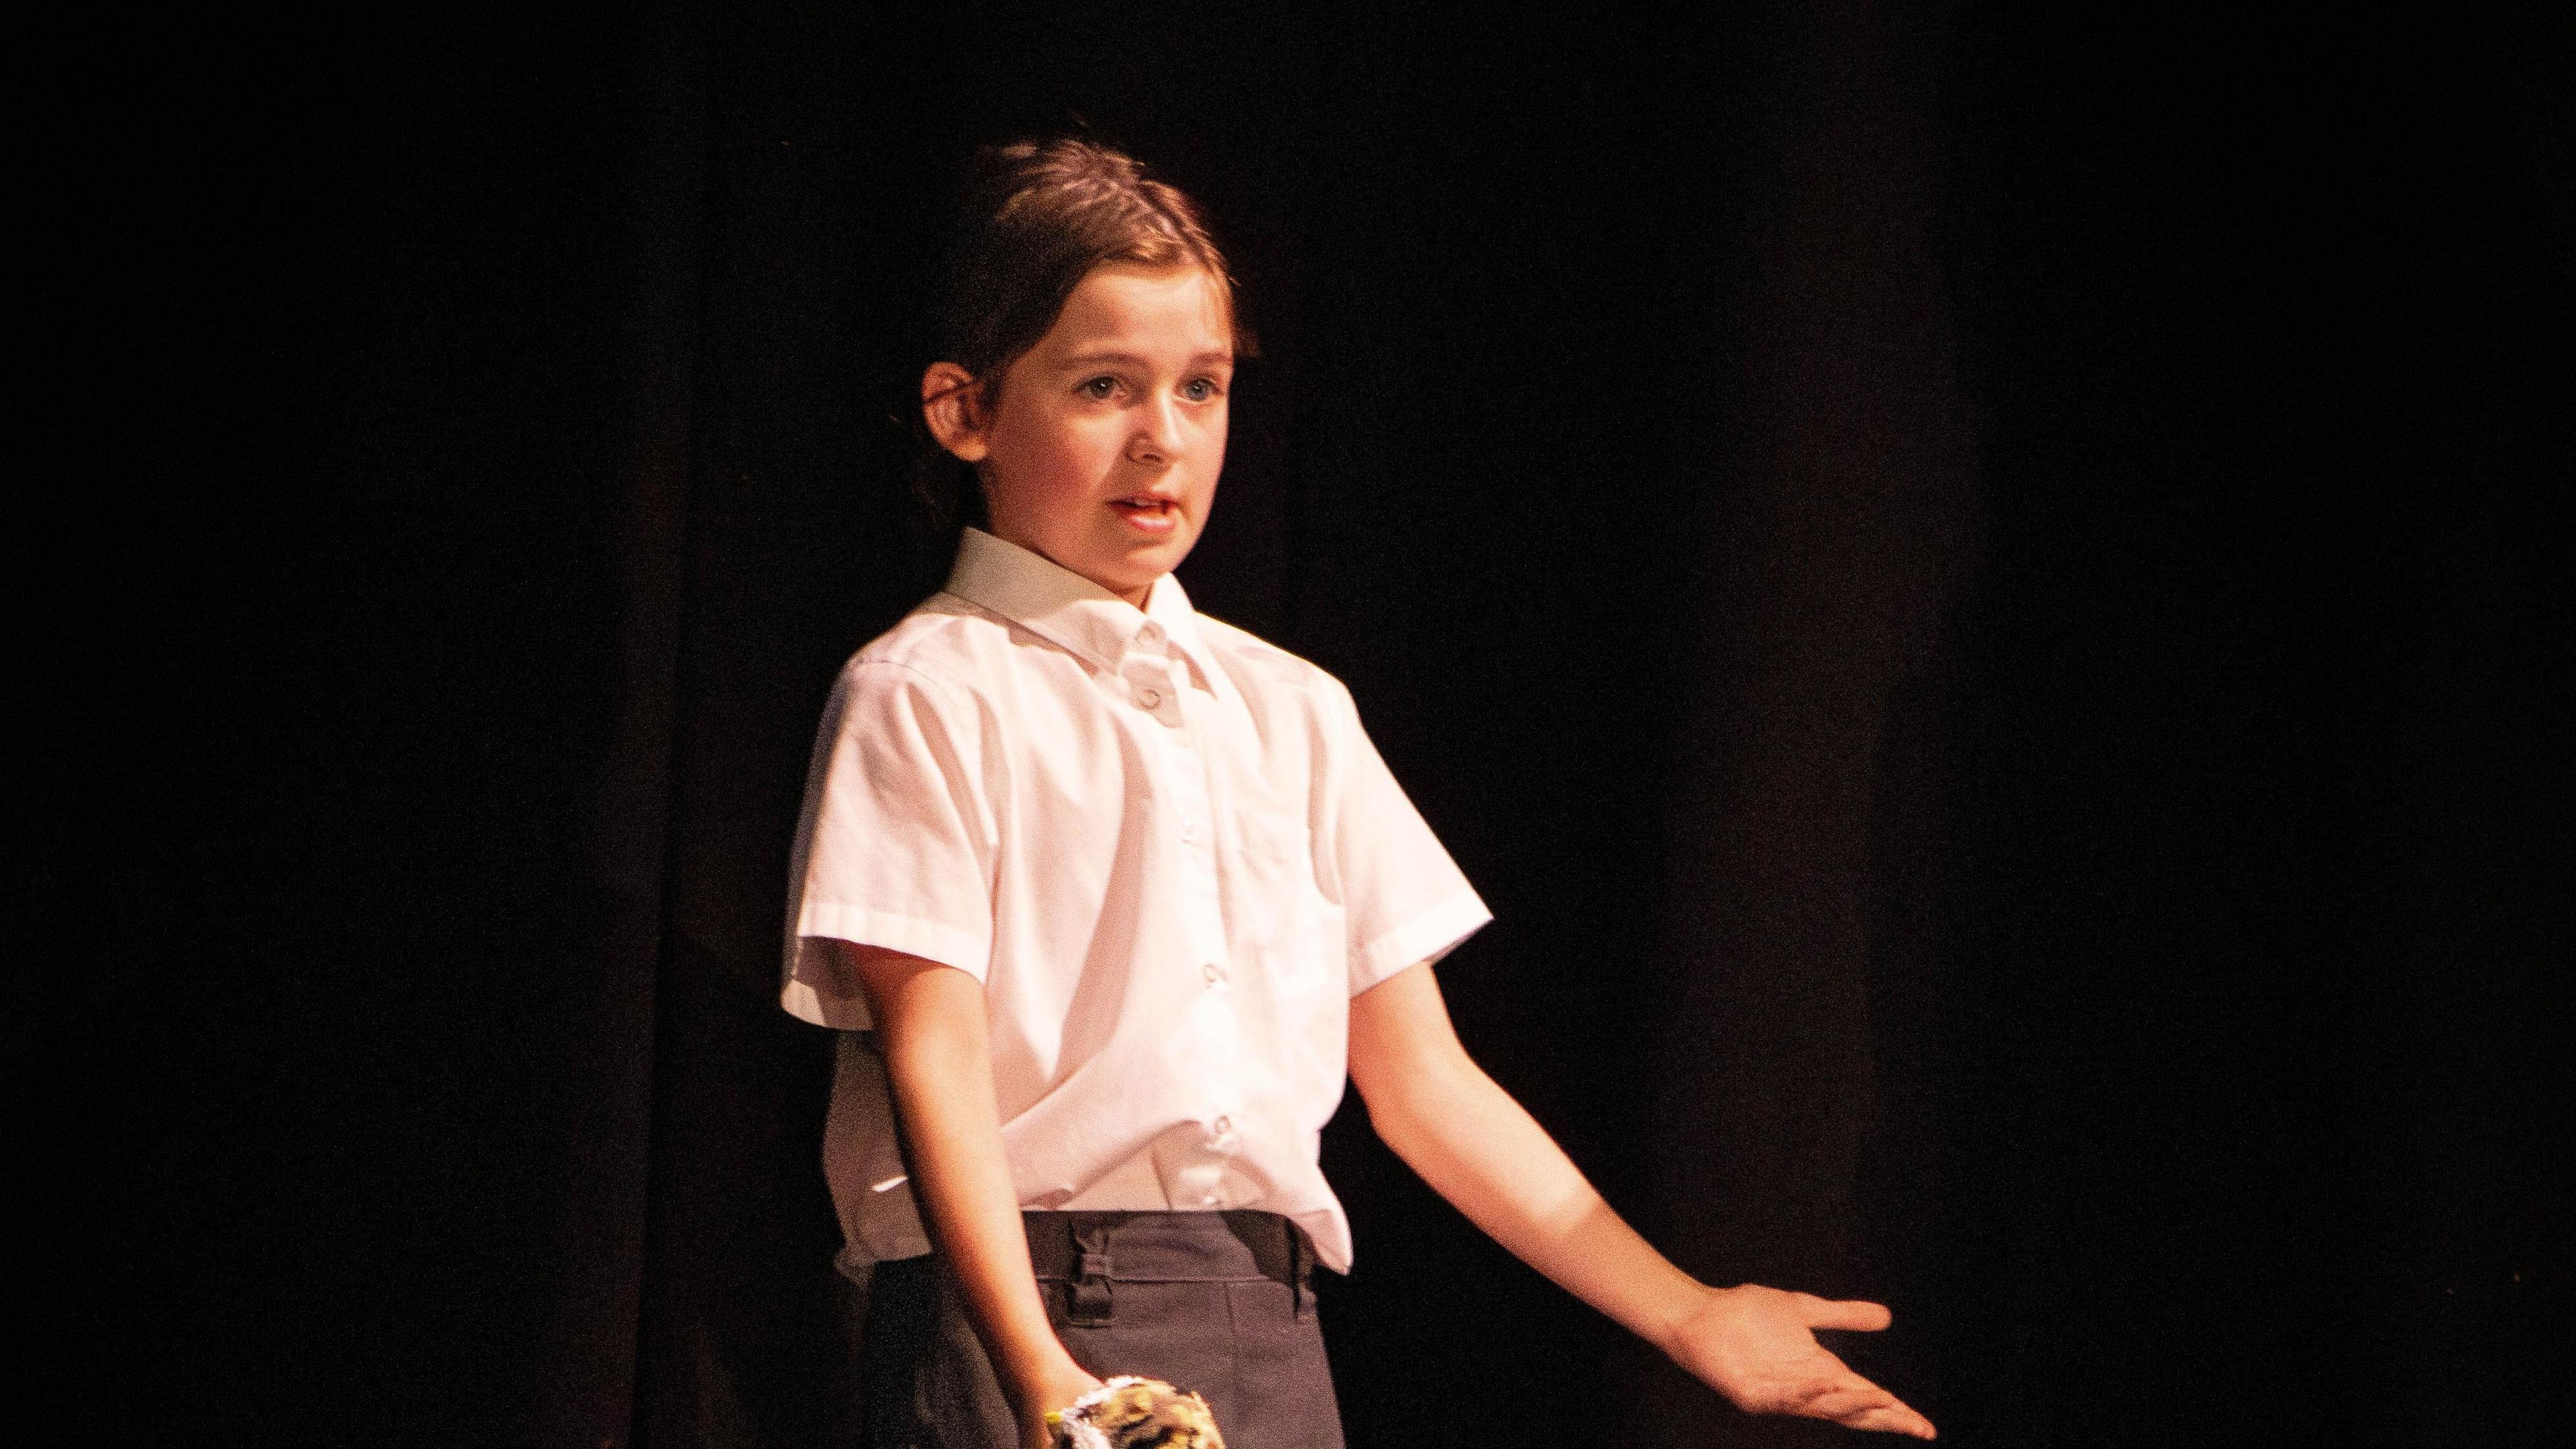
(1158,434)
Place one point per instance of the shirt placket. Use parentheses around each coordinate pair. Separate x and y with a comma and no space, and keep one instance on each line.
(1195,1173)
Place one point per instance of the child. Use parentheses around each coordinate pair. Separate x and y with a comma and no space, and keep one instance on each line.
(1121,890)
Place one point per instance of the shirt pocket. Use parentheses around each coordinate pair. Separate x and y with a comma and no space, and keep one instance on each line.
(1281,910)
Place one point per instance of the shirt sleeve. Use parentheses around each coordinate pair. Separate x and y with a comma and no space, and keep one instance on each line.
(896,845)
(1403,899)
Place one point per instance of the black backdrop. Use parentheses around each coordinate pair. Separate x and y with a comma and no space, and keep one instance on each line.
(1977,585)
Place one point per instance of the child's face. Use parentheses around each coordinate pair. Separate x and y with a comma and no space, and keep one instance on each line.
(1103,451)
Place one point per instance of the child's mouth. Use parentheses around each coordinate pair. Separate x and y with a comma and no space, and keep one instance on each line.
(1148,515)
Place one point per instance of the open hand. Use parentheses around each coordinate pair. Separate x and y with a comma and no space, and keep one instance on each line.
(1757,1346)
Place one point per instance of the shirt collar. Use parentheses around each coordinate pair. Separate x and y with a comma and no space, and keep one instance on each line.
(1061,606)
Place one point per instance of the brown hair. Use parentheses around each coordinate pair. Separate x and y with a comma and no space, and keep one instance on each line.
(1034,219)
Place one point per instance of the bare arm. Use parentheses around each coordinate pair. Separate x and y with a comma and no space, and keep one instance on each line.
(930,1025)
(1476,1147)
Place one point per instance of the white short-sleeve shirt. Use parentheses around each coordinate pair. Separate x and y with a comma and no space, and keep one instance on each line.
(1168,851)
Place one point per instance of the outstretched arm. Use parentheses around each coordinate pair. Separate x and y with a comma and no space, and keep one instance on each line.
(1465,1135)
(930,1024)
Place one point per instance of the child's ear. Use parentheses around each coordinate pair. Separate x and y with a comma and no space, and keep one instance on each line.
(954,407)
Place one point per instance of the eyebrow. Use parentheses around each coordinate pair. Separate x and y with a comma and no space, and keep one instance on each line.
(1084,359)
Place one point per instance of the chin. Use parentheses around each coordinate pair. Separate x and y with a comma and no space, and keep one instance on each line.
(1146,562)
(1138,575)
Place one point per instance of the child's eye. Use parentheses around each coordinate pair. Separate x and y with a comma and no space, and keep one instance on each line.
(1100,389)
(1199,389)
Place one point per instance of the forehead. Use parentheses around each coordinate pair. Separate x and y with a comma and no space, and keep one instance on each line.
(1179,311)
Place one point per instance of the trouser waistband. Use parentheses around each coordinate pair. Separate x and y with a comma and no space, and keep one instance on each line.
(1089,1251)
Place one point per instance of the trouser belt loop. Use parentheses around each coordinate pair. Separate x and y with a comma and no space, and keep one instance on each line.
(1091,1305)
(1301,1255)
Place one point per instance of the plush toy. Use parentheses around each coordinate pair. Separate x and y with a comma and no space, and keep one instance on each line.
(1133,1413)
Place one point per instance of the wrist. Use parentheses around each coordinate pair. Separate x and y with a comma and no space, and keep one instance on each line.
(1046,1381)
(1679,1313)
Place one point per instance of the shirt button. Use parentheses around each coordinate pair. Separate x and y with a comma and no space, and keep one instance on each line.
(1149,697)
(1213,972)
(1223,1125)
(1189,829)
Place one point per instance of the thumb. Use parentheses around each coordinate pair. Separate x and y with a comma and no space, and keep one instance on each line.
(1845,1313)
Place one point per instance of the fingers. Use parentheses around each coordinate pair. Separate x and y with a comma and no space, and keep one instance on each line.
(1892,1417)
(1896,1420)
(1856,1403)
(1844,1313)
(1850,1400)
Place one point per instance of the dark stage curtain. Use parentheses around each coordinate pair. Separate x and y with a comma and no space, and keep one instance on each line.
(1972,582)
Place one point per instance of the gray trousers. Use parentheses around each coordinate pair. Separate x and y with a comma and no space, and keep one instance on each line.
(1219,1303)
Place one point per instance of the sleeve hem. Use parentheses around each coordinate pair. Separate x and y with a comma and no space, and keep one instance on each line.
(1427,936)
(812,994)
